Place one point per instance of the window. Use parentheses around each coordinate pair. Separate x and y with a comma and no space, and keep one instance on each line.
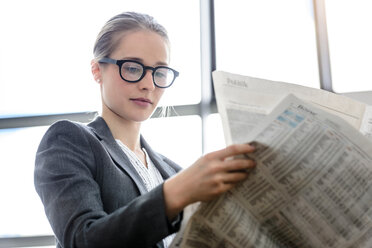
(215,139)
(267,39)
(46,49)
(21,210)
(350,39)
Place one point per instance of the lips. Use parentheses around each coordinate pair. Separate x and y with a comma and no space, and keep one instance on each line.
(143,100)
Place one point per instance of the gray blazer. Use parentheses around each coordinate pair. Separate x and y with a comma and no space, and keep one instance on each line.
(92,195)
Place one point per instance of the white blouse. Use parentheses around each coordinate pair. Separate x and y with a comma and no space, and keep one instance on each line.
(150,175)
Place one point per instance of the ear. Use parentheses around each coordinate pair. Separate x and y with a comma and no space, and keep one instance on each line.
(96,71)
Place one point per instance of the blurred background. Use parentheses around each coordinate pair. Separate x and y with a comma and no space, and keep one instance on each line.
(45,53)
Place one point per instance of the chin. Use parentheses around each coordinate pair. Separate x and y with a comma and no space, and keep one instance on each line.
(140,118)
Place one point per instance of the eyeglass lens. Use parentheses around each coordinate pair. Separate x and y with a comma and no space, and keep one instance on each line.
(132,72)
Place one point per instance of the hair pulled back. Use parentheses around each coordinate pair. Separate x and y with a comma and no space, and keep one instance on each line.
(120,25)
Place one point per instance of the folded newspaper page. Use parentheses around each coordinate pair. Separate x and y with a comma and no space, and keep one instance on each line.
(312,186)
(244,101)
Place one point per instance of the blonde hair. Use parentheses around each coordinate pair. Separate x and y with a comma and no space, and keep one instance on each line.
(117,27)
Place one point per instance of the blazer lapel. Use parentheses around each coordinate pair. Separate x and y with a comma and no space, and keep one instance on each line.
(165,169)
(103,132)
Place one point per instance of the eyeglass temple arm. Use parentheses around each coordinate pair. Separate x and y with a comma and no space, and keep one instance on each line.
(108,60)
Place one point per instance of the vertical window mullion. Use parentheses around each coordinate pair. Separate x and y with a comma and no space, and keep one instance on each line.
(207,62)
(324,63)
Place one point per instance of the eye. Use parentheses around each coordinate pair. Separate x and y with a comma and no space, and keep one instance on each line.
(160,74)
(133,69)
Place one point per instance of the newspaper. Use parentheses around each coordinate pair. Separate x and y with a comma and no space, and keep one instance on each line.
(366,126)
(312,186)
(251,99)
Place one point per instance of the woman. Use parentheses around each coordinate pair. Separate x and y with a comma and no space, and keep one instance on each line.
(101,184)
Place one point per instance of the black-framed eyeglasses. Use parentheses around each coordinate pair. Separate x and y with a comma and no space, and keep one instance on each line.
(133,71)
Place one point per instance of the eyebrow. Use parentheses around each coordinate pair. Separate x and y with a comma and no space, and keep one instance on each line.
(141,61)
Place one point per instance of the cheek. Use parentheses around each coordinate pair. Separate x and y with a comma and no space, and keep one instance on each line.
(159,93)
(112,92)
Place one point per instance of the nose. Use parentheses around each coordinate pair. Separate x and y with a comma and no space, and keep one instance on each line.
(146,82)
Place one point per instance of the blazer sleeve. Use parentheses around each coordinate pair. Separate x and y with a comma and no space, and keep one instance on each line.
(65,171)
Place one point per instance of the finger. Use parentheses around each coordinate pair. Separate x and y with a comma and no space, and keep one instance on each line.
(235,177)
(226,187)
(232,150)
(237,165)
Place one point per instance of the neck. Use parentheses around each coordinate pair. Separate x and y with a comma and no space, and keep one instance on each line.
(128,132)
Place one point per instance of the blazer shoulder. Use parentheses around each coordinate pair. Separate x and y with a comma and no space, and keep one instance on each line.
(65,141)
(67,126)
(63,124)
(66,132)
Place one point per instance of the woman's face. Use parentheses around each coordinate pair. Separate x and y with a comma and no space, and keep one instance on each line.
(134,101)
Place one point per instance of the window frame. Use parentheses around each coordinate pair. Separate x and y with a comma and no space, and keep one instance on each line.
(204,108)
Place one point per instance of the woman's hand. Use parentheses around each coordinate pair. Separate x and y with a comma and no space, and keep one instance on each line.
(209,177)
